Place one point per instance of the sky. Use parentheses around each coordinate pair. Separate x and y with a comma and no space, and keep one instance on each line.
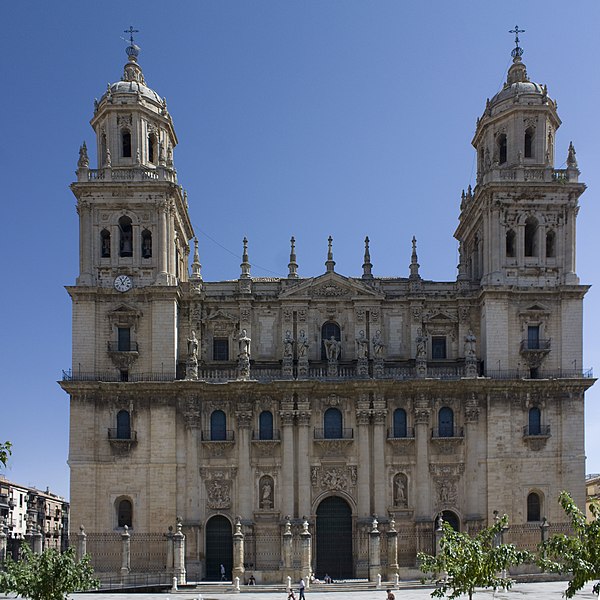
(308,118)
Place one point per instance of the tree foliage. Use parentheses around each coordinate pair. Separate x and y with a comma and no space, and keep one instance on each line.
(466,562)
(577,554)
(5,452)
(50,575)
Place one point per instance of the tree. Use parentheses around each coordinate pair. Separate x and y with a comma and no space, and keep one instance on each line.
(5,452)
(46,576)
(577,554)
(466,562)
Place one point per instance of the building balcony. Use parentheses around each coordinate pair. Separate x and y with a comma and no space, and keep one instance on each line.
(224,435)
(396,435)
(541,431)
(137,173)
(114,435)
(333,434)
(445,433)
(528,345)
(262,436)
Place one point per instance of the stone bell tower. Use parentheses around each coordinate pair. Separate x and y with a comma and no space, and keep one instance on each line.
(134,232)
(517,231)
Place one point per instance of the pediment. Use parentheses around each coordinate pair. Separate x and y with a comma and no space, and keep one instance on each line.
(331,286)
(124,315)
(221,315)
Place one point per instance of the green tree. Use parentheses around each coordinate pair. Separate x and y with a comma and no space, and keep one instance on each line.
(46,576)
(577,554)
(466,562)
(5,452)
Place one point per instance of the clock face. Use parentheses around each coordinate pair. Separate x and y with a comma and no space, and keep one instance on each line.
(123,283)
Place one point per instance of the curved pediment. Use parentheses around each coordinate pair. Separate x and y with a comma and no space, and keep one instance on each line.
(331,286)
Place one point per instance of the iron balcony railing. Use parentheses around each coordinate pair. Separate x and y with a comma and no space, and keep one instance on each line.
(123,347)
(263,436)
(445,432)
(115,435)
(221,435)
(535,345)
(541,430)
(334,434)
(397,435)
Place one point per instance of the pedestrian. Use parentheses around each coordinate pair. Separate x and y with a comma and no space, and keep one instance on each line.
(222,572)
(301,596)
(291,595)
(390,595)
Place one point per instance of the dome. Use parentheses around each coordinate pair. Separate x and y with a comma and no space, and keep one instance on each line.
(518,88)
(132,87)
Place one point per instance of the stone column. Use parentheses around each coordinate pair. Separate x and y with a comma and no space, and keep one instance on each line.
(304,481)
(473,454)
(306,553)
(286,491)
(125,552)
(421,419)
(38,539)
(179,556)
(374,551)
(81,543)
(162,242)
(238,551)
(364,472)
(170,559)
(379,478)
(287,548)
(244,422)
(85,242)
(392,552)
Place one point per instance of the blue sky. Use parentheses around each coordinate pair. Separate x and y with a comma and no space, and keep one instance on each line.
(306,118)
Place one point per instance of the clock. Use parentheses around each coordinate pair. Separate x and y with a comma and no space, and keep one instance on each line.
(123,283)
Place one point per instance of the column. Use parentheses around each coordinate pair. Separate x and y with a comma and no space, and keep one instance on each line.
(85,242)
(304,452)
(286,550)
(475,451)
(238,552)
(125,552)
(364,472)
(421,418)
(162,241)
(306,554)
(374,552)
(379,478)
(244,474)
(392,552)
(37,541)
(81,543)
(286,490)
(179,556)
(170,559)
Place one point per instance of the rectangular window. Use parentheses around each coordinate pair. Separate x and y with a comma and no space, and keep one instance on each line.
(220,349)
(533,337)
(124,339)
(438,347)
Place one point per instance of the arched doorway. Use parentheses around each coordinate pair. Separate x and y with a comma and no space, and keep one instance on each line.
(334,539)
(219,548)
(451,518)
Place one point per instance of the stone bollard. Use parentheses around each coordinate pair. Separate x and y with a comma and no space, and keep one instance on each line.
(236,584)
(374,551)
(306,550)
(396,580)
(287,547)
(125,552)
(289,585)
(81,543)
(378,580)
(238,550)
(179,555)
(392,552)
(174,587)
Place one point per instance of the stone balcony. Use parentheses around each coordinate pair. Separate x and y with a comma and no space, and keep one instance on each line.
(136,173)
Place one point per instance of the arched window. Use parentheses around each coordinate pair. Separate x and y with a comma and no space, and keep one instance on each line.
(550,244)
(123,425)
(126,241)
(218,426)
(531,228)
(528,146)
(151,148)
(400,423)
(146,244)
(105,243)
(265,425)
(126,143)
(125,513)
(510,244)
(535,421)
(502,148)
(328,331)
(332,424)
(534,507)
(446,422)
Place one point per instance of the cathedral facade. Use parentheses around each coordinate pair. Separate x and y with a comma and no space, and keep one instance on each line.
(322,424)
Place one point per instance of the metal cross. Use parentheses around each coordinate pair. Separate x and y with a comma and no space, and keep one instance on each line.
(518,51)
(131,31)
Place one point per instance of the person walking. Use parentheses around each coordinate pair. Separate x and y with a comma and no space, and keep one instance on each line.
(301,596)
(390,595)
(222,572)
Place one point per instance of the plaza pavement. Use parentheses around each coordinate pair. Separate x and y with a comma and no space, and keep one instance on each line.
(521,591)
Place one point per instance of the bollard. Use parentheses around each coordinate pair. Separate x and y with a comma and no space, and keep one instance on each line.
(174,586)
(396,580)
(378,580)
(237,584)
(289,584)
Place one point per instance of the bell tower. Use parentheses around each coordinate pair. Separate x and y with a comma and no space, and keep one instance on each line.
(517,230)
(134,233)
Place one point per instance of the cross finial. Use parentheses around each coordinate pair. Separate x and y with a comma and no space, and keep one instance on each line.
(131,31)
(329,263)
(517,51)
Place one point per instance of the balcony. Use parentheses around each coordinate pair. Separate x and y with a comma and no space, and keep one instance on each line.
(217,443)
(226,435)
(410,434)
(123,347)
(113,435)
(536,438)
(542,431)
(128,174)
(534,345)
(445,433)
(334,434)
(258,436)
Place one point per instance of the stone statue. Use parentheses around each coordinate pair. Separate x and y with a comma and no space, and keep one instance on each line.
(378,345)
(108,158)
(470,342)
(421,345)
(288,344)
(332,348)
(84,161)
(244,342)
(400,490)
(266,500)
(363,345)
(302,344)
(193,346)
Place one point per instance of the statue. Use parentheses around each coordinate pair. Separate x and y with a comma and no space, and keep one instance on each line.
(470,341)
(421,345)
(108,158)
(84,161)
(400,489)
(332,349)
(193,346)
(363,345)
(244,342)
(378,345)
(265,495)
(288,344)
(302,344)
